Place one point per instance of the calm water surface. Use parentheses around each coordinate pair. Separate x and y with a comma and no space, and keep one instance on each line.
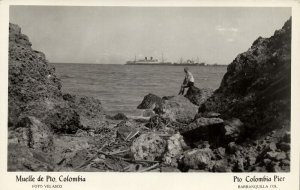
(122,87)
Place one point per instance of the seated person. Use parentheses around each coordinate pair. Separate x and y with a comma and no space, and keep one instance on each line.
(187,82)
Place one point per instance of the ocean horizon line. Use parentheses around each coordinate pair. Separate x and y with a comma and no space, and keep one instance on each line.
(138,64)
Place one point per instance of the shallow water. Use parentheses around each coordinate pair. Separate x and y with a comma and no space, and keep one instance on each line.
(122,87)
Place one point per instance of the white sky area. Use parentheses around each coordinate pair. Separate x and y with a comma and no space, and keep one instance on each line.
(114,35)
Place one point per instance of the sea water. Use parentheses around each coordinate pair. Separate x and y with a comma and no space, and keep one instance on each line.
(121,88)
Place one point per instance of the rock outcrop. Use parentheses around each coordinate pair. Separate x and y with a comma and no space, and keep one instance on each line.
(256,87)
(150,101)
(33,88)
(37,109)
(148,146)
(198,96)
(178,109)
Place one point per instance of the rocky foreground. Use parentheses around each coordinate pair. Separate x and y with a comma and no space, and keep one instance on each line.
(243,126)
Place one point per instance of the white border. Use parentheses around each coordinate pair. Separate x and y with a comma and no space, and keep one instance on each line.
(150,181)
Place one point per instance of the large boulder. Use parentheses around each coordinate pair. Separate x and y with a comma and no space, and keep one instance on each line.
(178,109)
(175,147)
(203,129)
(198,96)
(150,101)
(148,146)
(199,159)
(257,85)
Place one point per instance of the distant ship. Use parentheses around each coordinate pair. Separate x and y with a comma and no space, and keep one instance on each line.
(189,62)
(148,61)
(151,61)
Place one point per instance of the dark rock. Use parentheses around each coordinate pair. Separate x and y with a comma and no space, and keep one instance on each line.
(233,129)
(202,144)
(69,97)
(287,137)
(267,161)
(285,162)
(118,116)
(204,129)
(272,155)
(198,96)
(150,101)
(220,153)
(233,147)
(284,146)
(148,146)
(202,123)
(221,166)
(280,156)
(207,115)
(198,159)
(276,168)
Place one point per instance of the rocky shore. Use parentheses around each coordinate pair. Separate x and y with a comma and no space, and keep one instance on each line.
(243,126)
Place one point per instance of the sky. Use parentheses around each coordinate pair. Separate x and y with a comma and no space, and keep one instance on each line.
(114,35)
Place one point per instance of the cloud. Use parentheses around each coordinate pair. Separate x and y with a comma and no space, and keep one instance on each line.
(228,33)
(226,29)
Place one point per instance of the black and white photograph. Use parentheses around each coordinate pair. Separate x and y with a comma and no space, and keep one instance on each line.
(149,89)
